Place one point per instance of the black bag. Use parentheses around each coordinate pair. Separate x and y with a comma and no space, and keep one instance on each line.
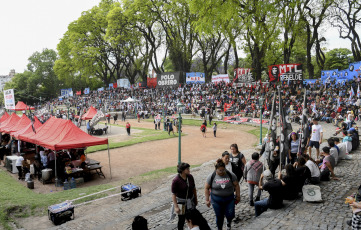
(61,213)
(130,191)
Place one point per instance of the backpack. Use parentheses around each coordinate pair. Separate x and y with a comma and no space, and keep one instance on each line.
(214,175)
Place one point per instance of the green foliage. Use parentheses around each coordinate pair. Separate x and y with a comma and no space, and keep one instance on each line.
(338,59)
(38,81)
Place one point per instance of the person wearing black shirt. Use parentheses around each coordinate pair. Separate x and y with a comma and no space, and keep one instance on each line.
(290,183)
(274,187)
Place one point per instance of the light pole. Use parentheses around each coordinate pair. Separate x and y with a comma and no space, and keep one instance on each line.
(68,106)
(179,107)
(261,108)
(163,102)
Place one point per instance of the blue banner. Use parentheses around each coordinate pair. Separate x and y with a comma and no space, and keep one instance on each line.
(86,91)
(354,70)
(101,89)
(329,74)
(195,77)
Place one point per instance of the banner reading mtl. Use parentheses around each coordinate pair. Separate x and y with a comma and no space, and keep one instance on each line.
(169,79)
(288,73)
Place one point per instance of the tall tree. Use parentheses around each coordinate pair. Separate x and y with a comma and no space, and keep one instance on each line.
(347,18)
(313,13)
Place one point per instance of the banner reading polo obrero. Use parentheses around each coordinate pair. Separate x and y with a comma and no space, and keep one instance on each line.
(242,75)
(169,79)
(9,99)
(220,77)
(290,73)
(195,78)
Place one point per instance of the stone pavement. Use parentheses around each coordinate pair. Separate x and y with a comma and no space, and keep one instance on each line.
(332,213)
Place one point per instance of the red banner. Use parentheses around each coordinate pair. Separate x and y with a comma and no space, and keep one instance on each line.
(78,93)
(115,85)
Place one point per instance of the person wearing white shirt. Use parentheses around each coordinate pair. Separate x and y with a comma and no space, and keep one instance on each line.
(316,137)
(315,171)
(19,165)
(333,150)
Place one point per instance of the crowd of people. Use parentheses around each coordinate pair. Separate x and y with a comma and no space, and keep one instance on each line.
(331,103)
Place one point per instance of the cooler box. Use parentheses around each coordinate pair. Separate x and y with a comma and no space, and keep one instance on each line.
(61,213)
(130,191)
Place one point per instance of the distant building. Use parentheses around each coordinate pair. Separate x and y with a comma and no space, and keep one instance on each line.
(6,78)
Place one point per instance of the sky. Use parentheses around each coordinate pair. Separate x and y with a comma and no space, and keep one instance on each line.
(27,26)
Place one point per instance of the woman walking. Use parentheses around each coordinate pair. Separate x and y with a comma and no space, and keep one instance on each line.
(184,193)
(222,184)
(238,158)
(127,126)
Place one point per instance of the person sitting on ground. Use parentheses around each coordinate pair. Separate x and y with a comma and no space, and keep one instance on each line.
(196,221)
(315,171)
(302,171)
(139,223)
(333,150)
(290,183)
(274,187)
(342,148)
(252,174)
(348,140)
(327,166)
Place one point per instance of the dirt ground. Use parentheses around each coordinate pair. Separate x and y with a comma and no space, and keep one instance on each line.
(134,160)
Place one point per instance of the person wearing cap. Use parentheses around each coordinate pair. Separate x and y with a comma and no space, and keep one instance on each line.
(316,138)
(327,166)
(275,189)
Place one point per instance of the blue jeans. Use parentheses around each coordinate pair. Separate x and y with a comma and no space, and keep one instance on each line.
(261,206)
(223,206)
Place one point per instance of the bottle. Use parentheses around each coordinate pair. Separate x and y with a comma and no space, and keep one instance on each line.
(72,183)
(66,185)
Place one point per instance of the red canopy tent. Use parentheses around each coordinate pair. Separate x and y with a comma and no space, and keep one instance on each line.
(27,129)
(89,114)
(24,121)
(9,123)
(58,134)
(4,117)
(21,106)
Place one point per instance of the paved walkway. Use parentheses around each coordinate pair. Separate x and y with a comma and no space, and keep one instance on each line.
(330,214)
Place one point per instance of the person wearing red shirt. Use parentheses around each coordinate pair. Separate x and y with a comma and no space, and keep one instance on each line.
(203,130)
(127,126)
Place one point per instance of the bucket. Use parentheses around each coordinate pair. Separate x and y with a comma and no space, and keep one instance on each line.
(30,184)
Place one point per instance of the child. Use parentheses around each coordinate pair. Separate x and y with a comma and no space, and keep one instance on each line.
(214,129)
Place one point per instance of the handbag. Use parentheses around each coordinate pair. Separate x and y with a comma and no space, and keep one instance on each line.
(183,207)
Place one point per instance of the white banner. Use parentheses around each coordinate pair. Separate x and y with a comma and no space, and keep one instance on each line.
(220,77)
(124,83)
(9,99)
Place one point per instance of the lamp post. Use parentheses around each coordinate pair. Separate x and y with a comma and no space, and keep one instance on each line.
(261,108)
(68,106)
(179,107)
(163,102)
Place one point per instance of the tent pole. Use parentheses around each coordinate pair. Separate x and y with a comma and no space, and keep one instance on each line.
(110,167)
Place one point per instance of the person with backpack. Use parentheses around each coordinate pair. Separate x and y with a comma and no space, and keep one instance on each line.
(252,174)
(222,184)
(238,158)
(203,130)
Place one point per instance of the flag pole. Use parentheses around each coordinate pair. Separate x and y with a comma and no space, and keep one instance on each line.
(279,119)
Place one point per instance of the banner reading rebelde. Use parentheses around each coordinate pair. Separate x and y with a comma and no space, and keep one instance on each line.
(285,72)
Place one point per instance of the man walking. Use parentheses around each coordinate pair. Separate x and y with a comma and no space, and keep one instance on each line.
(316,137)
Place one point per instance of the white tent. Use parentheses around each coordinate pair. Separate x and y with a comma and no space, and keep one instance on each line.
(130,100)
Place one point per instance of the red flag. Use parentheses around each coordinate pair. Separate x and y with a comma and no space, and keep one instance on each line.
(78,93)
(115,85)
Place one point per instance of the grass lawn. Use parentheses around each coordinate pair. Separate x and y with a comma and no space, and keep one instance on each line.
(144,136)
(20,202)
(257,133)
